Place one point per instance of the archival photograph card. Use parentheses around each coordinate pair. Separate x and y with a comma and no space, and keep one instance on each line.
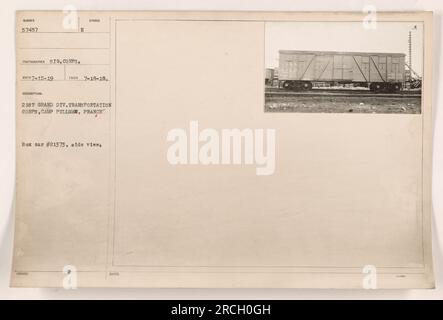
(223,150)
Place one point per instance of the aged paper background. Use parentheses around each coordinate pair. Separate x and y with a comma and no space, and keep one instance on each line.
(349,190)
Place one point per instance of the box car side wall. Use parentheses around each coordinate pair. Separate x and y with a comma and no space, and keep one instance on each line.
(342,67)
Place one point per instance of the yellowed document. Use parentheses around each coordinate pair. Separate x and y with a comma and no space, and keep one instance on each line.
(223,149)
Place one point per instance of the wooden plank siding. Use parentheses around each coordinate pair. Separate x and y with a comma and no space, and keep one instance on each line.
(341,66)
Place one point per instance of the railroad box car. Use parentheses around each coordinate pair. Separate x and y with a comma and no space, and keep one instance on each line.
(378,71)
(269,75)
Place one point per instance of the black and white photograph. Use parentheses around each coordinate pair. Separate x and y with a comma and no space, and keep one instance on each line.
(343,67)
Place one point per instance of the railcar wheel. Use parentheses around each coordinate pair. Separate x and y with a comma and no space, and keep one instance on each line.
(395,87)
(306,86)
(376,87)
(287,85)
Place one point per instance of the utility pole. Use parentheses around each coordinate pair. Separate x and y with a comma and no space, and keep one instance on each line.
(410,54)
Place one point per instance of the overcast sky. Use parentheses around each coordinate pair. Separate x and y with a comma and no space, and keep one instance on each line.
(344,36)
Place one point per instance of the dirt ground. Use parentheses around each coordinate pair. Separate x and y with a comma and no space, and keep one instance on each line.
(337,104)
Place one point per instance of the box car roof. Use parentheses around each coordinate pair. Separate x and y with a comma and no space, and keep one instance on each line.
(341,53)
